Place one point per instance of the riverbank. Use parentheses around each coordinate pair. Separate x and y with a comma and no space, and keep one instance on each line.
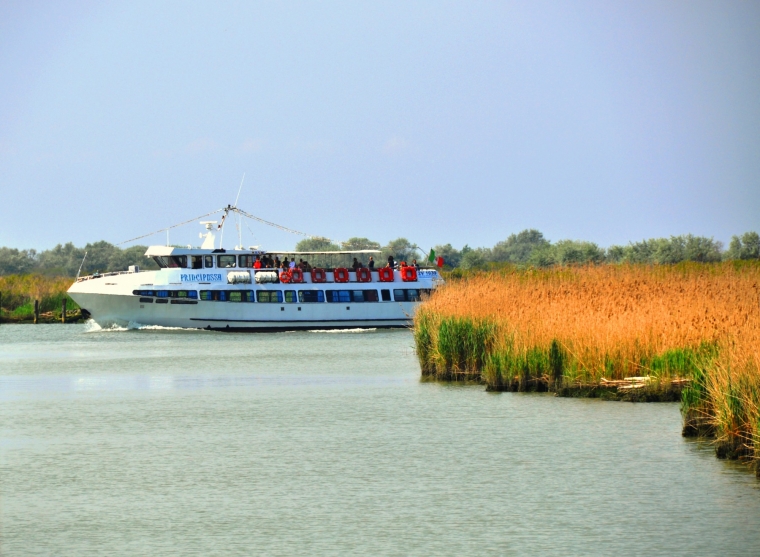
(690,332)
(19,292)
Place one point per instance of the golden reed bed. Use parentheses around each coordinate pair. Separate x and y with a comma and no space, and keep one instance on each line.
(580,325)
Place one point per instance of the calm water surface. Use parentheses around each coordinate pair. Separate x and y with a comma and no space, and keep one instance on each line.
(160,442)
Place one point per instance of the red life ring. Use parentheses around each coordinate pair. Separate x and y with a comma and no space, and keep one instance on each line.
(385,274)
(363,275)
(340,274)
(318,275)
(285,276)
(296,275)
(409,274)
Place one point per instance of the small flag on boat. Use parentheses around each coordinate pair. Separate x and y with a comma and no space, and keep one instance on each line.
(431,257)
(439,261)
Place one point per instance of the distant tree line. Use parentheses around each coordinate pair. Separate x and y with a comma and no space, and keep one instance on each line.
(528,247)
(65,259)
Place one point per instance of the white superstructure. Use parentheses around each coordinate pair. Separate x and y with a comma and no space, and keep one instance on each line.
(218,289)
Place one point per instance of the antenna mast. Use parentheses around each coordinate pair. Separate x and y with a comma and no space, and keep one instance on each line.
(81,264)
(239,224)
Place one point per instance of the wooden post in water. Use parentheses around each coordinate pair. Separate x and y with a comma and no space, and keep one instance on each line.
(36,311)
(63,310)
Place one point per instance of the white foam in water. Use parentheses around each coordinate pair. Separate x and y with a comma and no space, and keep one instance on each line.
(340,331)
(93,327)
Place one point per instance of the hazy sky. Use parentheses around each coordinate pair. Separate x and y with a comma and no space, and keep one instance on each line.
(456,122)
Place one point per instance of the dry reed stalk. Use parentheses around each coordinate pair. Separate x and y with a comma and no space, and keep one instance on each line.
(611,320)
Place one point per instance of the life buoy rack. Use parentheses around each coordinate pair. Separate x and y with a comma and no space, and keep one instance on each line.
(318,275)
(285,276)
(363,275)
(340,274)
(409,274)
(385,274)
(296,275)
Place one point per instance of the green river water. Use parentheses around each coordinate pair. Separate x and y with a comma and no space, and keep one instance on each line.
(170,442)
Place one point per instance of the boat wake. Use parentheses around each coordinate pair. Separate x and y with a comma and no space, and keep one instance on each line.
(344,331)
(93,327)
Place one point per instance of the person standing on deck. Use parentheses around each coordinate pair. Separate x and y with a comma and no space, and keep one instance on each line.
(371,264)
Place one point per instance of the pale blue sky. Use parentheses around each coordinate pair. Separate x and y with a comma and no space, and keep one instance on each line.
(455,122)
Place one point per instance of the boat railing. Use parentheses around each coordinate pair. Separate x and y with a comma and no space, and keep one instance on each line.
(100,275)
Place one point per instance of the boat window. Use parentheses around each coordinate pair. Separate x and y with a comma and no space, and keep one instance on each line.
(161,261)
(410,295)
(290,297)
(310,296)
(386,294)
(339,296)
(178,261)
(225,261)
(209,261)
(246,261)
(144,292)
(196,261)
(365,296)
(269,296)
(162,293)
(226,295)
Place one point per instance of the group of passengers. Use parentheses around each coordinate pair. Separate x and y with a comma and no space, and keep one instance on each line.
(268,262)
(398,266)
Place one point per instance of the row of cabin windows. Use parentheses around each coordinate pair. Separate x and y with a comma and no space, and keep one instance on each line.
(204,261)
(193,294)
(291,296)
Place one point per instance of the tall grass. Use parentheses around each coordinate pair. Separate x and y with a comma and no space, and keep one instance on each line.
(545,329)
(20,291)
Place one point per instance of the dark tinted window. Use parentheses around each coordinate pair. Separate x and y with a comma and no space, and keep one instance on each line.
(407,295)
(365,296)
(246,261)
(269,296)
(178,261)
(209,261)
(339,296)
(386,295)
(225,261)
(290,296)
(309,296)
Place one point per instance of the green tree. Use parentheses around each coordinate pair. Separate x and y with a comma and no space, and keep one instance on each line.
(14,261)
(401,249)
(359,244)
(317,244)
(451,255)
(567,252)
(518,247)
(474,258)
(745,247)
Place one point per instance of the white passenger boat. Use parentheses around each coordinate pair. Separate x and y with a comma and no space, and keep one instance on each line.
(216,289)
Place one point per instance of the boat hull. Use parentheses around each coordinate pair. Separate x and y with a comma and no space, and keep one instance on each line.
(109,310)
